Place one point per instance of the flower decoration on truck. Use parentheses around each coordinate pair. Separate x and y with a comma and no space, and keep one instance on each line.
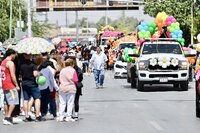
(174,62)
(153,62)
(164,62)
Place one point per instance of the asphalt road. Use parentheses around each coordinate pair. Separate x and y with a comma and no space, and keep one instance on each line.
(117,108)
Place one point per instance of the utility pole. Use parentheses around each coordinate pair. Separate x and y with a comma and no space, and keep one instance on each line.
(29,23)
(77,27)
(106,13)
(10,25)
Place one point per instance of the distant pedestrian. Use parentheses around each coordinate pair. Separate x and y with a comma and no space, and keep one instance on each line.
(98,62)
(9,85)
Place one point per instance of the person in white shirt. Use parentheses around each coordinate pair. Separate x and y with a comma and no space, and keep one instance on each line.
(98,61)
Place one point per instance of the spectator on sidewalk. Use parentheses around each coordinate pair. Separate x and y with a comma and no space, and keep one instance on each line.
(67,90)
(30,88)
(9,85)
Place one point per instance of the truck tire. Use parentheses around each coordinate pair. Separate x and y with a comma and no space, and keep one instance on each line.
(133,77)
(184,86)
(133,83)
(140,86)
(197,100)
(128,79)
(176,86)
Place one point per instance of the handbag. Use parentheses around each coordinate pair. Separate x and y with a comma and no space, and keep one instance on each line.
(79,85)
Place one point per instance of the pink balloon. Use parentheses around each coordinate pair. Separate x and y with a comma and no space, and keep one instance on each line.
(142,40)
(138,43)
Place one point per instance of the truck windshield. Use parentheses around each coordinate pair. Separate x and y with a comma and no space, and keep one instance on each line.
(103,41)
(126,45)
(162,48)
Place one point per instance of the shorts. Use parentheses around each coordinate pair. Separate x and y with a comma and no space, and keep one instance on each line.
(11,97)
(29,92)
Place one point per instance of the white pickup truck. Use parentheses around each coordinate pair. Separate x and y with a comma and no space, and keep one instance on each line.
(159,61)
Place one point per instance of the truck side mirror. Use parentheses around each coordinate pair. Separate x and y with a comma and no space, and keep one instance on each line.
(190,55)
(134,55)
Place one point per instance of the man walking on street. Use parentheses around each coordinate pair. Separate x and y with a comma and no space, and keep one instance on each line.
(98,61)
(9,85)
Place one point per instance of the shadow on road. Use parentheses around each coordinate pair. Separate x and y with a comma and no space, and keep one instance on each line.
(156,88)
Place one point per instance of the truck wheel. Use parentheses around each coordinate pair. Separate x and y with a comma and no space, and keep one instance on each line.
(176,86)
(133,77)
(128,79)
(197,101)
(140,86)
(184,86)
(133,83)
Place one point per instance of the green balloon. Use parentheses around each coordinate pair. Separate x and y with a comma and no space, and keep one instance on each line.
(153,25)
(151,30)
(182,44)
(177,28)
(172,29)
(41,80)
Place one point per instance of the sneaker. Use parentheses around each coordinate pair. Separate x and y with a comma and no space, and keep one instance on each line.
(17,120)
(39,118)
(31,114)
(59,119)
(101,86)
(7,121)
(69,119)
(28,119)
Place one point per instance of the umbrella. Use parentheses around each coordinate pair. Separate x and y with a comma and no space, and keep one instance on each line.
(56,40)
(34,45)
(72,44)
(2,49)
(10,42)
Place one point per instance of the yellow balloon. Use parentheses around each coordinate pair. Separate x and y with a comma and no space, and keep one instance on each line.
(198,47)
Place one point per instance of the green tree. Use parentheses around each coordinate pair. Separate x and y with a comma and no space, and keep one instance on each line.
(83,23)
(5,15)
(38,28)
(180,9)
(101,22)
(123,24)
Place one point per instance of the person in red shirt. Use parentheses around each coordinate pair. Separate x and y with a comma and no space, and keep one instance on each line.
(9,85)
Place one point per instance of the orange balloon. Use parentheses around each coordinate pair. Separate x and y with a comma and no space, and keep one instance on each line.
(192,61)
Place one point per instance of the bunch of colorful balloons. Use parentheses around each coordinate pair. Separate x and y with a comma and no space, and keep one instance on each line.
(154,30)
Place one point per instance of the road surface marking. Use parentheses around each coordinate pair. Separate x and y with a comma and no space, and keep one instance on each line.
(156,125)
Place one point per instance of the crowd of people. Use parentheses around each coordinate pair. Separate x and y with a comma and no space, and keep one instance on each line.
(59,95)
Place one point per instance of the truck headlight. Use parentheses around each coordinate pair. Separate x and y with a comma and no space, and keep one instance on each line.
(183,65)
(143,65)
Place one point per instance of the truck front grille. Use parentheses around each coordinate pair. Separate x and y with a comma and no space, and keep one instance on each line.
(159,68)
(163,75)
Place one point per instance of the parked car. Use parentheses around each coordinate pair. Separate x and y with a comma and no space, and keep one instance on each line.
(120,70)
